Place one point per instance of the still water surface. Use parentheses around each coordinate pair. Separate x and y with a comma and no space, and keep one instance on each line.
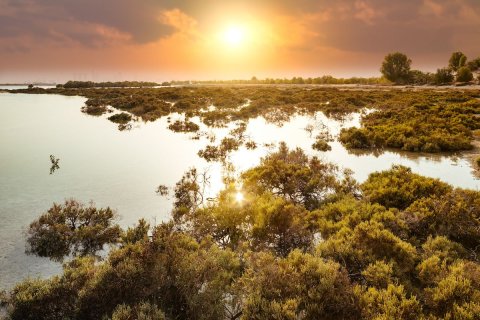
(122,169)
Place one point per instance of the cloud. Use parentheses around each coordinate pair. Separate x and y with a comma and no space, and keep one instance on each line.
(305,34)
(417,27)
(90,22)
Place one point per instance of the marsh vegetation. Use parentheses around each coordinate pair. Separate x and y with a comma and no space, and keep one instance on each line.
(292,237)
(305,240)
(426,120)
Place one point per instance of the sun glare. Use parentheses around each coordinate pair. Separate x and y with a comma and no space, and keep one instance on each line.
(234,35)
(239,197)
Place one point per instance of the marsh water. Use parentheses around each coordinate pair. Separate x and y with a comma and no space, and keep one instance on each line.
(122,169)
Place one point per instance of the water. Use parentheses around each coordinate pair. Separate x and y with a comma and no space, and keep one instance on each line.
(24,86)
(122,169)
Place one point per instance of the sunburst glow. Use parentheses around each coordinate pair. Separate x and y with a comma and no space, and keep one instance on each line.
(234,35)
(239,197)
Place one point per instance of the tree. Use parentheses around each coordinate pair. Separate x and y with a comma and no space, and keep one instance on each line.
(396,68)
(474,64)
(421,78)
(464,75)
(292,175)
(443,76)
(72,228)
(457,60)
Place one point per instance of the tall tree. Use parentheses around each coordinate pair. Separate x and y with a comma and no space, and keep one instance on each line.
(396,68)
(457,60)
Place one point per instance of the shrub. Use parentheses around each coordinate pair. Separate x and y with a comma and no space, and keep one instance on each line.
(464,75)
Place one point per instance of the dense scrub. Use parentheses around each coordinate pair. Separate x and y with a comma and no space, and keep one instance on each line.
(306,242)
(427,127)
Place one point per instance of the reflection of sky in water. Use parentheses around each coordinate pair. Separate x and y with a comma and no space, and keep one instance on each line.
(123,169)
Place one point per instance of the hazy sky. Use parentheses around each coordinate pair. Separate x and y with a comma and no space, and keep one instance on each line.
(56,40)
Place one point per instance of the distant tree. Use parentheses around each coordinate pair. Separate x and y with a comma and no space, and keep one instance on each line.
(474,65)
(443,76)
(421,78)
(464,75)
(30,86)
(72,229)
(396,68)
(457,60)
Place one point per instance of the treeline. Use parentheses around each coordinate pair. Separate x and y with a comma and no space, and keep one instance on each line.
(327,79)
(396,68)
(121,84)
(304,242)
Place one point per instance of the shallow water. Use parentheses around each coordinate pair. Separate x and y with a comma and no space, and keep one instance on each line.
(122,169)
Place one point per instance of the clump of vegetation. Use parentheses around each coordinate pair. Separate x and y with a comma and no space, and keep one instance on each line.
(72,229)
(477,161)
(464,75)
(413,120)
(321,144)
(443,76)
(184,126)
(121,118)
(219,153)
(95,110)
(457,60)
(304,242)
(422,127)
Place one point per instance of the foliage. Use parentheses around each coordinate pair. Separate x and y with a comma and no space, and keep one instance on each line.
(220,153)
(420,128)
(457,60)
(399,187)
(140,311)
(420,78)
(121,118)
(474,65)
(72,229)
(305,242)
(292,175)
(443,76)
(184,126)
(136,233)
(454,215)
(464,75)
(321,144)
(396,68)
(298,286)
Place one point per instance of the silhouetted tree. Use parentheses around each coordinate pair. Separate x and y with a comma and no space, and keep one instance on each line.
(443,76)
(396,68)
(457,60)
(464,75)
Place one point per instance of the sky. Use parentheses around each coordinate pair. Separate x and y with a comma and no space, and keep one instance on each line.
(161,40)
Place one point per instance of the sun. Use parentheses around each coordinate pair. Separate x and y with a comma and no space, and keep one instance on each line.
(239,197)
(234,35)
